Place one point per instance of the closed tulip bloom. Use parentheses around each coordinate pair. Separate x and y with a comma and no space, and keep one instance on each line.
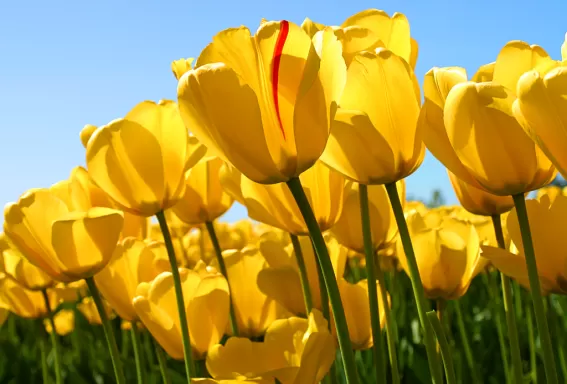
(206,303)
(547,221)
(89,310)
(204,200)
(447,254)
(253,309)
(274,204)
(348,230)
(478,201)
(279,87)
(375,139)
(21,301)
(133,262)
(64,322)
(541,109)
(179,67)
(294,351)
(141,159)
(66,245)
(17,267)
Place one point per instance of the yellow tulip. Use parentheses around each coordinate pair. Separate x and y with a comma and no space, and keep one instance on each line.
(89,310)
(69,293)
(64,322)
(375,139)
(17,267)
(294,351)
(547,224)
(551,191)
(483,225)
(280,279)
(541,111)
(279,89)
(133,262)
(254,310)
(21,301)
(179,67)
(86,133)
(140,160)
(348,229)
(478,201)
(274,204)
(206,298)
(447,253)
(204,199)
(66,245)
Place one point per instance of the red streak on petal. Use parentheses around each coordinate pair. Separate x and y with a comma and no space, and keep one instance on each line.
(282,37)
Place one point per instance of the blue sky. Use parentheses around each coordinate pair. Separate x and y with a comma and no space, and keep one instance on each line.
(64,64)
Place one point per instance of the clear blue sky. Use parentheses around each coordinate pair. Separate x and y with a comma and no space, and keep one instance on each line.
(64,64)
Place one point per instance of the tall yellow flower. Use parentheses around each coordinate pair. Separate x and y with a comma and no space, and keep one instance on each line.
(548,222)
(133,262)
(89,310)
(204,199)
(294,351)
(206,302)
(278,89)
(275,205)
(64,322)
(66,245)
(375,139)
(21,301)
(140,160)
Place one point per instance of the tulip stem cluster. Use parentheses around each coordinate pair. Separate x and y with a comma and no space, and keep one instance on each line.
(302,273)
(53,336)
(189,365)
(535,289)
(136,345)
(218,252)
(43,353)
(434,317)
(108,332)
(509,308)
(417,285)
(466,343)
(162,362)
(329,278)
(371,280)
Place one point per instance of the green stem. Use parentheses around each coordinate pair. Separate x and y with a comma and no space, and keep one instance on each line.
(371,283)
(464,333)
(557,331)
(124,346)
(222,266)
(509,308)
(108,332)
(535,289)
(136,345)
(444,345)
(329,278)
(307,298)
(531,339)
(162,361)
(189,366)
(417,285)
(497,310)
(43,353)
(54,338)
(372,272)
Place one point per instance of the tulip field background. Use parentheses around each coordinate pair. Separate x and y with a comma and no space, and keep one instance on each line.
(86,359)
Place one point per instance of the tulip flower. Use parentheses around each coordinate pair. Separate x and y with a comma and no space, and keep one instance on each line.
(280,88)
(477,201)
(294,351)
(275,205)
(64,322)
(541,111)
(348,229)
(69,293)
(447,254)
(86,133)
(140,160)
(253,309)
(17,267)
(66,245)
(206,299)
(179,67)
(375,139)
(548,220)
(133,262)
(21,301)
(88,309)
(204,199)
